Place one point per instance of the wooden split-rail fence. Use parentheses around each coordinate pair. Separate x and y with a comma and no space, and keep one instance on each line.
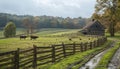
(36,56)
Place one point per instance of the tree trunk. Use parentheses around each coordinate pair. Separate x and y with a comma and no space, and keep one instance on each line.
(111,29)
(27,32)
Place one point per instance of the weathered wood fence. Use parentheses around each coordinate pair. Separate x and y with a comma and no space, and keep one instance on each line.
(43,55)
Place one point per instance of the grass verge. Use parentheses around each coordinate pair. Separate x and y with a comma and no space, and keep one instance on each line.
(103,64)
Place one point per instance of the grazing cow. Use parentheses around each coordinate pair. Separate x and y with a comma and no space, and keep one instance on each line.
(80,39)
(70,39)
(89,38)
(23,37)
(33,37)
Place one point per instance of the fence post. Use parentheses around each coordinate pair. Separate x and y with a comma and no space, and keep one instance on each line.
(98,42)
(53,54)
(74,48)
(94,44)
(105,38)
(16,59)
(90,45)
(101,39)
(85,46)
(81,46)
(34,56)
(64,52)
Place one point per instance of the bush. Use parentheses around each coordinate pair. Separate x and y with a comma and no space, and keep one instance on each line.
(10,30)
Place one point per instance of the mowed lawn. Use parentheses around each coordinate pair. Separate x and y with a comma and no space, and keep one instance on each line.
(47,37)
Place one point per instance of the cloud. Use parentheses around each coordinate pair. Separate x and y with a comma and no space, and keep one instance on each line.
(64,8)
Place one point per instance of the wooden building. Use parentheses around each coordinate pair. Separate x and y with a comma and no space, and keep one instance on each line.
(94,28)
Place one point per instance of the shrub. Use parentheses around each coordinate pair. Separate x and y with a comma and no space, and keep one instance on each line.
(10,30)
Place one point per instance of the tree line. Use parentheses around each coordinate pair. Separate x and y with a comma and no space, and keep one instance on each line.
(28,21)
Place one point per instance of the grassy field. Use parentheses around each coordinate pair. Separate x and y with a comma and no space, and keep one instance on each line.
(47,37)
(51,36)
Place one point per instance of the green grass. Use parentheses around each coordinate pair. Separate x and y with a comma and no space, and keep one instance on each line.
(1,34)
(107,57)
(56,32)
(47,37)
(71,59)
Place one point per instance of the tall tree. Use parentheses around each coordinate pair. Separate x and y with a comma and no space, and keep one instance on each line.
(108,10)
(26,25)
(30,23)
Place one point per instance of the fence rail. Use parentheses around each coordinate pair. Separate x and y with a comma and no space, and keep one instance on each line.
(43,55)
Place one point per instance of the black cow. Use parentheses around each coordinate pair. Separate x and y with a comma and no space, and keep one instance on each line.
(70,39)
(23,36)
(33,37)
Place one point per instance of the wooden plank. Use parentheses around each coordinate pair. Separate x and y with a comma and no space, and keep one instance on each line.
(77,50)
(44,55)
(7,53)
(44,58)
(77,44)
(68,44)
(25,60)
(44,62)
(69,53)
(7,67)
(59,54)
(59,50)
(41,52)
(57,60)
(71,49)
(23,64)
(44,47)
(24,51)
(57,45)
(5,64)
(6,59)
(59,57)
(10,67)
(27,66)
(25,56)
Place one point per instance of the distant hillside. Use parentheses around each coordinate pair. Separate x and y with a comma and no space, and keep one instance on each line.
(44,21)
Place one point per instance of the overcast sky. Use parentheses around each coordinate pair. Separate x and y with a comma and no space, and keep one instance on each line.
(62,8)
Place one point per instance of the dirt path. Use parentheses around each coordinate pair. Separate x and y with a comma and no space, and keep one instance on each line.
(95,60)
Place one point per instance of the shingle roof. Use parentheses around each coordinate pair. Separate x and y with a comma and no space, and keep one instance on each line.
(91,23)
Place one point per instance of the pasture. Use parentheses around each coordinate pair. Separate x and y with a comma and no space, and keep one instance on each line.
(47,37)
